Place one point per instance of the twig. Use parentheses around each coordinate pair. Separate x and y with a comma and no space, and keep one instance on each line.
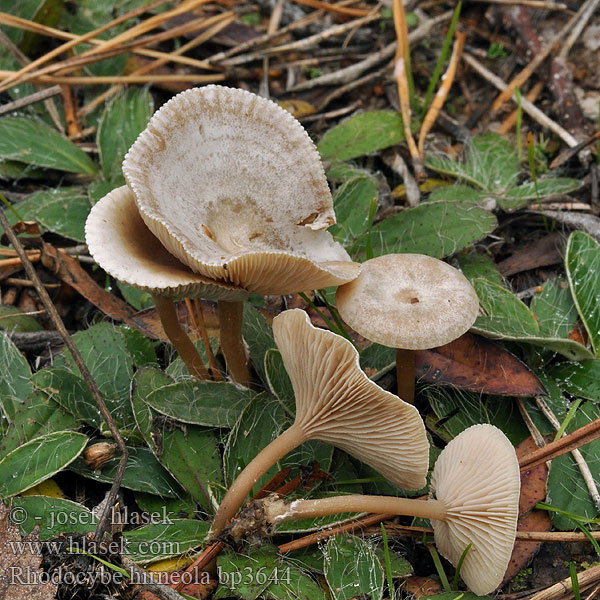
(23,60)
(584,14)
(350,86)
(353,71)
(510,121)
(73,128)
(564,588)
(332,114)
(103,523)
(564,156)
(73,80)
(531,3)
(212,363)
(394,161)
(274,22)
(31,99)
(352,12)
(527,106)
(583,466)
(83,38)
(442,93)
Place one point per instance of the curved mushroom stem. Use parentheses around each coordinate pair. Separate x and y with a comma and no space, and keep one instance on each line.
(405,374)
(280,510)
(256,468)
(179,339)
(232,343)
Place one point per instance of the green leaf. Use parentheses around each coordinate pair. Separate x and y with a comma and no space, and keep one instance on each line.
(279,381)
(352,569)
(13,319)
(352,202)
(261,422)
(162,540)
(140,347)
(582,263)
(190,453)
(340,172)
(475,265)
(53,516)
(106,355)
(456,193)
(70,392)
(521,196)
(362,134)
(437,229)
(38,460)
(288,582)
(124,118)
(493,162)
(259,337)
(12,169)
(38,416)
(15,377)
(566,488)
(580,379)
(139,299)
(205,403)
(247,574)
(32,142)
(160,509)
(143,473)
(554,308)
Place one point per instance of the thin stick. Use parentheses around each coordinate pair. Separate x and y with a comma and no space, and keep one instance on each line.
(232,342)
(353,12)
(199,39)
(442,93)
(103,522)
(537,60)
(13,262)
(212,363)
(510,121)
(179,338)
(527,106)
(584,435)
(31,99)
(583,466)
(83,38)
(73,128)
(564,588)
(192,78)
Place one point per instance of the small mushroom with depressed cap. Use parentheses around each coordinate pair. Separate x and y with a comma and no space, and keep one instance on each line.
(474,500)
(408,302)
(338,404)
(232,187)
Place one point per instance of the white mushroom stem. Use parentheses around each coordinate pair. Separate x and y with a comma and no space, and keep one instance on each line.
(179,338)
(405,374)
(278,511)
(232,342)
(291,438)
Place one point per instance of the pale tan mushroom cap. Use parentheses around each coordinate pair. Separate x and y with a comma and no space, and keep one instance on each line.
(338,404)
(408,301)
(123,246)
(477,477)
(233,186)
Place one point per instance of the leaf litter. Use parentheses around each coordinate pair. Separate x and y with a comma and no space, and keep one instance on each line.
(486,212)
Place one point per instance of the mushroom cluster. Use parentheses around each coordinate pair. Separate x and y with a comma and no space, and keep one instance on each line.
(225,195)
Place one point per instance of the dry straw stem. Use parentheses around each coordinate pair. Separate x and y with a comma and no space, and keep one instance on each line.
(442,93)
(83,38)
(353,12)
(402,63)
(103,522)
(110,50)
(531,3)
(584,14)
(564,589)
(31,99)
(199,39)
(532,110)
(510,121)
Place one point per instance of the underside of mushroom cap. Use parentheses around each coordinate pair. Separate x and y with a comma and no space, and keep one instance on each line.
(125,248)
(477,477)
(338,404)
(408,301)
(233,186)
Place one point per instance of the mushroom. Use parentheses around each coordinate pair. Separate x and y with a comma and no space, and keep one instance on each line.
(233,187)
(408,302)
(123,246)
(338,404)
(475,496)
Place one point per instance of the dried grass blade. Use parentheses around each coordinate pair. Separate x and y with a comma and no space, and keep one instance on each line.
(352,12)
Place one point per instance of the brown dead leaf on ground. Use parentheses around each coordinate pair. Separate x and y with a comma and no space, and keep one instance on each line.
(475,363)
(20,575)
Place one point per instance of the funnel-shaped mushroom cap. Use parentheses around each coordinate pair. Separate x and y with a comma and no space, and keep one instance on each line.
(408,301)
(124,247)
(338,404)
(233,186)
(477,477)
